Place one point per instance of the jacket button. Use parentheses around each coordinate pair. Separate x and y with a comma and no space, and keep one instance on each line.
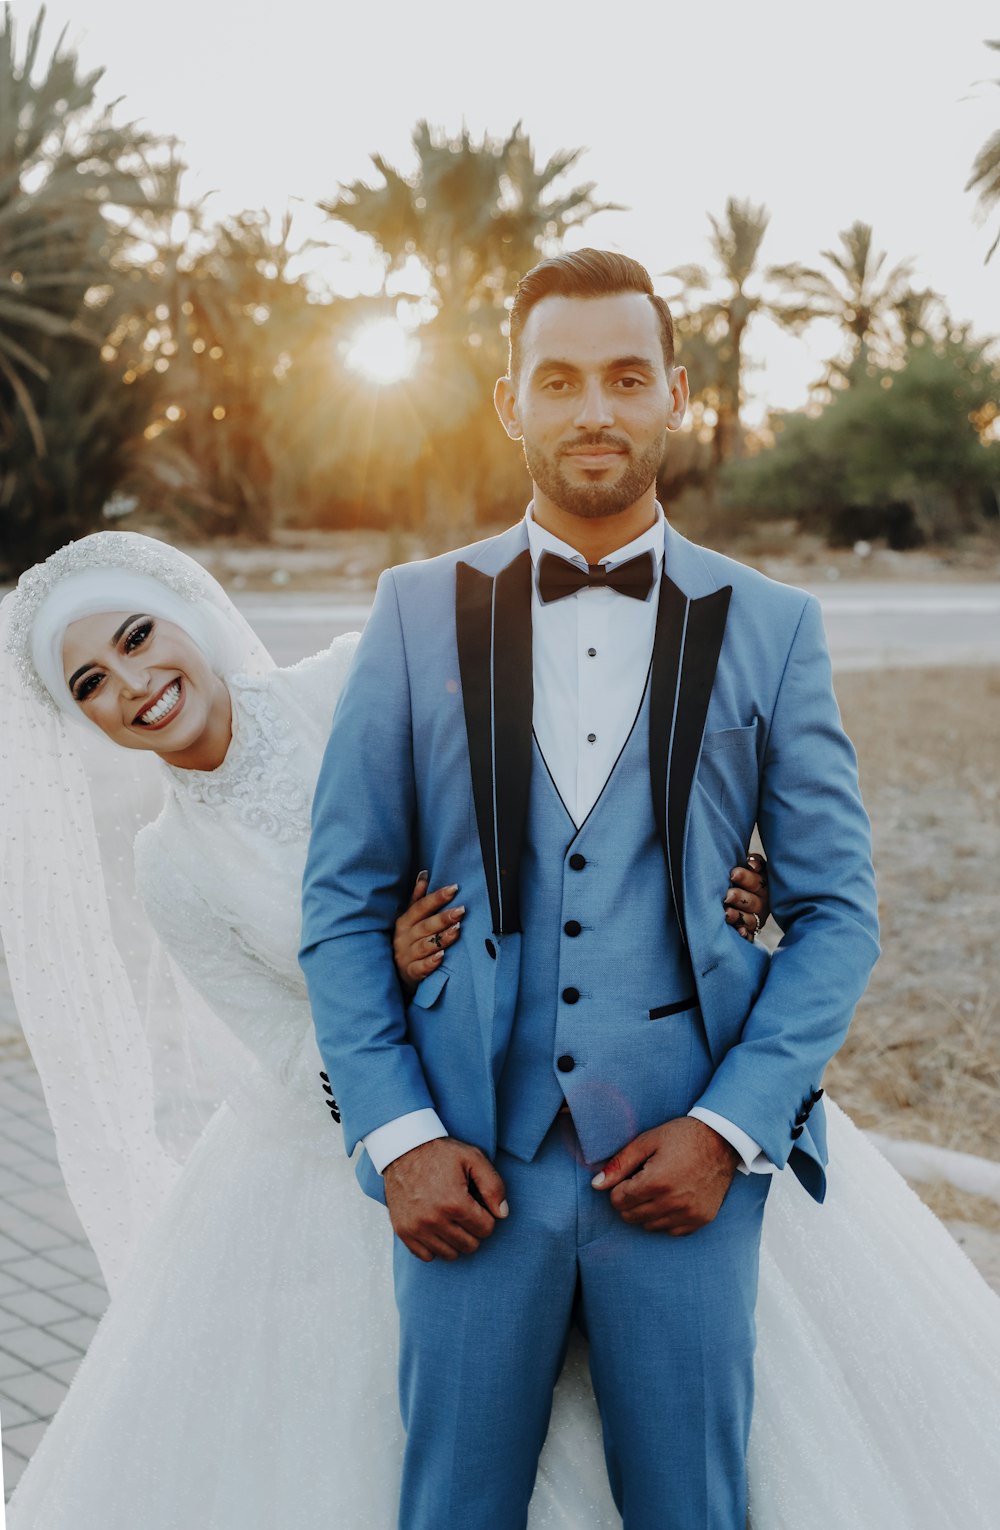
(577,861)
(796,1131)
(325,1077)
(572,927)
(565,1064)
(817,1094)
(571,995)
(802,1118)
(491,950)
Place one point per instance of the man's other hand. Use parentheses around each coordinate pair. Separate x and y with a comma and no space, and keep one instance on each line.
(444,1198)
(671,1179)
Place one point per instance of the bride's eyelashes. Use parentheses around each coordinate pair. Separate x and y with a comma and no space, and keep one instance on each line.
(131,642)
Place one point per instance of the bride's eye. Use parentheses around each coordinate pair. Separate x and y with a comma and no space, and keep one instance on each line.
(87,686)
(138,636)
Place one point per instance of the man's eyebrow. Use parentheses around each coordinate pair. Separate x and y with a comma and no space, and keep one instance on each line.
(74,677)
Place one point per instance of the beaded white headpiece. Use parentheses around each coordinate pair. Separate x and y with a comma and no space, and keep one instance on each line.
(121,550)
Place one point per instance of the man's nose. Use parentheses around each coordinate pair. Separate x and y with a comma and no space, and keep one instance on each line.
(596,411)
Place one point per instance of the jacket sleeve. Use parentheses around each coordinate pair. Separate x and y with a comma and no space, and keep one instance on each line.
(818,841)
(356,880)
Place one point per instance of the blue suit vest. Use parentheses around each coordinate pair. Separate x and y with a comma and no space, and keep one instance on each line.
(606,996)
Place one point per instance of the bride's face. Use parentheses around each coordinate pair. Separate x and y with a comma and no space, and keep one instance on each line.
(147,685)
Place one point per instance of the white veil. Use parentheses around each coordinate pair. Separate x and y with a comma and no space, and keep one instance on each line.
(132,1061)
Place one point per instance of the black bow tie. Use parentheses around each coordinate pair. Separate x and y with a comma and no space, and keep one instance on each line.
(558,577)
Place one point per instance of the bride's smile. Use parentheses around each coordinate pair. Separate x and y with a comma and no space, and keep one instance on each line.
(147,685)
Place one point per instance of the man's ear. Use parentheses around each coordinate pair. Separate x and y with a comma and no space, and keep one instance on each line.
(505,399)
(678,380)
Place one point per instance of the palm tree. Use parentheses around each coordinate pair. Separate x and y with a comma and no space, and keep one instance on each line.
(475,216)
(63,162)
(856,293)
(69,176)
(985,177)
(713,331)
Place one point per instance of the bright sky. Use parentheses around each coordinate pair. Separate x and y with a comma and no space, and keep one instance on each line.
(861,110)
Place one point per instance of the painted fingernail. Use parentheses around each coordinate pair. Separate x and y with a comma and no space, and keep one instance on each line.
(452,890)
(504,1209)
(423,876)
(598,1180)
(455,914)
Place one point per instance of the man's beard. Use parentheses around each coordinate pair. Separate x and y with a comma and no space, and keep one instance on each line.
(595,501)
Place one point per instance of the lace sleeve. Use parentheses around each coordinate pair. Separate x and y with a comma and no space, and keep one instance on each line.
(260,1008)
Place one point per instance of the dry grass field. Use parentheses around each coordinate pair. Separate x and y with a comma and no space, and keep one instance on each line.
(923,1057)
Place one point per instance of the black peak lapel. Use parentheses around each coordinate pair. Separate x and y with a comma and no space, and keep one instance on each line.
(686,652)
(493,624)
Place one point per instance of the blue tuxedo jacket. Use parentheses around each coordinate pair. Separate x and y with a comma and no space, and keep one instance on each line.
(429,763)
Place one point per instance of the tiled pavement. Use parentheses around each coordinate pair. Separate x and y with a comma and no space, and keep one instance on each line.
(51,1292)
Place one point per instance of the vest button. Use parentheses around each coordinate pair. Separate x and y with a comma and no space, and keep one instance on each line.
(491,950)
(565,1064)
(571,995)
(572,927)
(591,738)
(577,861)
(592,653)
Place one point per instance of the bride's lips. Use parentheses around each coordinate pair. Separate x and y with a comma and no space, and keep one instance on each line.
(168,717)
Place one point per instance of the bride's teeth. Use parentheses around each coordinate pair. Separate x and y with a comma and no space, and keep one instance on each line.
(166,704)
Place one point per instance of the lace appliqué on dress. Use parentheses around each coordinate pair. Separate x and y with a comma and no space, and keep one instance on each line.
(256,779)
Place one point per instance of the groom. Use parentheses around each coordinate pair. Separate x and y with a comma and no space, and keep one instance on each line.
(580,722)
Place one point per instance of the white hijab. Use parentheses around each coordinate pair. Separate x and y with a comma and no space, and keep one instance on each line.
(117,1036)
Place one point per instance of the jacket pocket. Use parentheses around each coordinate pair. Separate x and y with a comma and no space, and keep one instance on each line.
(674,1009)
(431,989)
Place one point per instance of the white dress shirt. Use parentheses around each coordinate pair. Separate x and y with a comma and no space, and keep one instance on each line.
(591,653)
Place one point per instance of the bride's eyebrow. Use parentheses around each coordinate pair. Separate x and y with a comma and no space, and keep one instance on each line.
(92,663)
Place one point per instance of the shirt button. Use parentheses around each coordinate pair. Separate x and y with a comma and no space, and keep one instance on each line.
(572,927)
(565,1063)
(591,738)
(592,653)
(577,861)
(571,995)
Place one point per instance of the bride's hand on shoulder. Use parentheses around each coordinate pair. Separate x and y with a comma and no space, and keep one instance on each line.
(424,932)
(746,903)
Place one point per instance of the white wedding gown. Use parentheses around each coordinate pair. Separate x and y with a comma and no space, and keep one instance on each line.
(243,1377)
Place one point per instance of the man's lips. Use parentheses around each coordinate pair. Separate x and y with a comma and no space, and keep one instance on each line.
(140,720)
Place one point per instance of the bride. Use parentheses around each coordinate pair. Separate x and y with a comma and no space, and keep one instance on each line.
(244,1372)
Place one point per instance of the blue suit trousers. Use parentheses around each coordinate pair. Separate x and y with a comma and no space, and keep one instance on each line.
(670,1325)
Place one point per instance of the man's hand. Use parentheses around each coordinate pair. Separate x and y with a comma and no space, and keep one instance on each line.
(444,1198)
(671,1179)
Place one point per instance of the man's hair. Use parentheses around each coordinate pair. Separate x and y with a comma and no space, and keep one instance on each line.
(585,274)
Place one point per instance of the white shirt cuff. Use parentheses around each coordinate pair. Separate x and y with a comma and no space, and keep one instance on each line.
(753,1160)
(400,1136)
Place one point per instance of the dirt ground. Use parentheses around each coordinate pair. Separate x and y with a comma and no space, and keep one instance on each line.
(923,1057)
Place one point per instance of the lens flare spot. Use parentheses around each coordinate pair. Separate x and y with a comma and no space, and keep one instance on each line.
(383,352)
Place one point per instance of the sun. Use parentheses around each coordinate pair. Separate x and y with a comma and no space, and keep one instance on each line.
(383,351)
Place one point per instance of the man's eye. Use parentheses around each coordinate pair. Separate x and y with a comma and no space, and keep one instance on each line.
(557,385)
(138,636)
(630,383)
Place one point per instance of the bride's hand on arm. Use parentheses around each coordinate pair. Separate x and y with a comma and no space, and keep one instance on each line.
(424,932)
(746,903)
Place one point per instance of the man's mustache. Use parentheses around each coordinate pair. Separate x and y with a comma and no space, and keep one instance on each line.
(593,439)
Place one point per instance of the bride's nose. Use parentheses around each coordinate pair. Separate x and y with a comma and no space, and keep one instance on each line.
(134,680)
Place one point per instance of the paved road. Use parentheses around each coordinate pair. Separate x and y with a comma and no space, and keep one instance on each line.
(870,626)
(51,1293)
